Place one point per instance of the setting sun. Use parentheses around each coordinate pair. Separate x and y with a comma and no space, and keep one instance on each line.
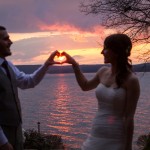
(60,59)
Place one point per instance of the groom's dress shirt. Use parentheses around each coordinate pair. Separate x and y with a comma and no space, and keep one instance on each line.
(23,81)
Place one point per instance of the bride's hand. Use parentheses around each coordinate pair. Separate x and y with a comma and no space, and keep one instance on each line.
(50,60)
(69,59)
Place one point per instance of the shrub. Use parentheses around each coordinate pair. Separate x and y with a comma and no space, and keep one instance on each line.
(35,140)
(143,142)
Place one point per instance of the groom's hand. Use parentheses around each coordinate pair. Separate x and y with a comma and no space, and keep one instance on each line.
(50,60)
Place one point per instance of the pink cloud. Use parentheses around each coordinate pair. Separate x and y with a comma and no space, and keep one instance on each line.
(58,27)
(97,29)
(34,16)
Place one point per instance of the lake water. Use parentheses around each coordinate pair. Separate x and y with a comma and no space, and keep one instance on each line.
(63,108)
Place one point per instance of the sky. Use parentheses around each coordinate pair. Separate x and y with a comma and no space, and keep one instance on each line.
(39,27)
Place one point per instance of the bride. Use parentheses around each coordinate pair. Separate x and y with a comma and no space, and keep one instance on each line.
(117,91)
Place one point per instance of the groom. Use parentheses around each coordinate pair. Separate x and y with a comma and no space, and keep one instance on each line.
(10,79)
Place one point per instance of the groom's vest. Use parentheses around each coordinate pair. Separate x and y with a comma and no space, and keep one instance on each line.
(10,110)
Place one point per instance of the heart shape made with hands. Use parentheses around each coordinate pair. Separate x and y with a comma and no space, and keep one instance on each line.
(60,58)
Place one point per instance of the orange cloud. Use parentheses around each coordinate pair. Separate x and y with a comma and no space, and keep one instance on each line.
(85,46)
(58,27)
(97,29)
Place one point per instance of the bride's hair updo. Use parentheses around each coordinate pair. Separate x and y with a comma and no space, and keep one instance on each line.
(121,45)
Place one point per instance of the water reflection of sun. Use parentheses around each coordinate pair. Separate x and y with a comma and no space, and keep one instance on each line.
(62,112)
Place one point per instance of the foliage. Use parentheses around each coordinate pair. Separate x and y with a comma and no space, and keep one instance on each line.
(131,16)
(143,142)
(39,141)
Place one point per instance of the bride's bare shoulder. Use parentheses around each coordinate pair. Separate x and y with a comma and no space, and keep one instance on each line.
(102,70)
(132,80)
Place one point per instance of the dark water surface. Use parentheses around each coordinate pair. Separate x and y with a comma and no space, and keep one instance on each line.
(62,108)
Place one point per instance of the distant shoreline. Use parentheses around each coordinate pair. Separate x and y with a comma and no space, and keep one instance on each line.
(145,67)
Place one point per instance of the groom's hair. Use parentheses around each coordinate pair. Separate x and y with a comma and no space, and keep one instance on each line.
(2,28)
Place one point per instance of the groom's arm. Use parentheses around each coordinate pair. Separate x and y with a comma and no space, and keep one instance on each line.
(25,81)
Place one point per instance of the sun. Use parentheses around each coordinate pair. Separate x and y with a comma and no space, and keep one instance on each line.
(60,59)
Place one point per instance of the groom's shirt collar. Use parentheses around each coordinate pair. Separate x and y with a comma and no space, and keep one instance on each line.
(1,60)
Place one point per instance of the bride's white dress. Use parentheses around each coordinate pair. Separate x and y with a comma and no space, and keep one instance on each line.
(108,131)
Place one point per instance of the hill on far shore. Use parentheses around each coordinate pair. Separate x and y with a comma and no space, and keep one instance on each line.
(145,67)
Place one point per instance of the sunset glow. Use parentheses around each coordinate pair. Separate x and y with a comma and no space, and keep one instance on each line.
(56,25)
(60,59)
(85,48)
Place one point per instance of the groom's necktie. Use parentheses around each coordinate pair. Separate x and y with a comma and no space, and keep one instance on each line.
(5,66)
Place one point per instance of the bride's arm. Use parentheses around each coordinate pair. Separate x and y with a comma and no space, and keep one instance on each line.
(81,79)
